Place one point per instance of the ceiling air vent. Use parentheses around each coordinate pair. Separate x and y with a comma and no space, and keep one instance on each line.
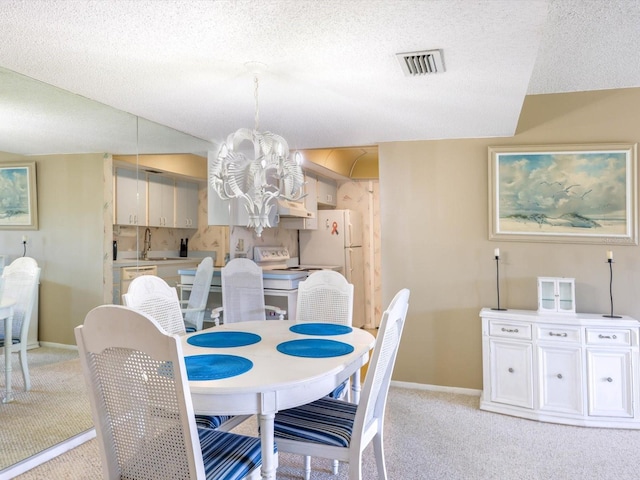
(421,63)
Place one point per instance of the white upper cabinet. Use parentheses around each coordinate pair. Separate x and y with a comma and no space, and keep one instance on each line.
(327,192)
(161,201)
(130,198)
(186,204)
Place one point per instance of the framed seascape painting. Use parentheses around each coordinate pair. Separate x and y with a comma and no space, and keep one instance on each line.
(564,193)
(18,196)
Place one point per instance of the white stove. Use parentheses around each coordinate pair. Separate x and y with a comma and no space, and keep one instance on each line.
(277,259)
(276,273)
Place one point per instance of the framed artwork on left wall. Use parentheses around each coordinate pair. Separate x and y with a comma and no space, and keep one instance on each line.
(18,196)
(564,193)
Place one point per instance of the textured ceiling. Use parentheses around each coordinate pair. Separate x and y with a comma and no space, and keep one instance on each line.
(331,78)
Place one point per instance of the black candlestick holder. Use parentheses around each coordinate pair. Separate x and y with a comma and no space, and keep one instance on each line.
(498,282)
(610,262)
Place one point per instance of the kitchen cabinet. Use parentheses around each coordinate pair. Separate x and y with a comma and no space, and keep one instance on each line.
(576,370)
(186,204)
(130,198)
(556,294)
(161,201)
(327,192)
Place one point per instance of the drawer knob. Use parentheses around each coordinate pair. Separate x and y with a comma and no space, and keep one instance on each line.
(560,376)
(607,336)
(609,379)
(510,330)
(563,334)
(510,370)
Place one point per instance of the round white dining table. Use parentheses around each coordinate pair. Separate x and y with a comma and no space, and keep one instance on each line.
(6,314)
(275,381)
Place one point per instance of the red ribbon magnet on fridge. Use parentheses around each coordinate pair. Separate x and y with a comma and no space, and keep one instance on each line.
(334,229)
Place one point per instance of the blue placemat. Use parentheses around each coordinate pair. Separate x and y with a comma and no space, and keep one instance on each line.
(314,348)
(215,366)
(224,339)
(320,329)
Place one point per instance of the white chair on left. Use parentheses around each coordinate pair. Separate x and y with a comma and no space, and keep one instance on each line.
(142,408)
(20,283)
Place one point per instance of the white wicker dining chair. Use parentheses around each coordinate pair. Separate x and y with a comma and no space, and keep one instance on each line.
(20,282)
(243,294)
(326,296)
(194,308)
(141,405)
(153,296)
(334,429)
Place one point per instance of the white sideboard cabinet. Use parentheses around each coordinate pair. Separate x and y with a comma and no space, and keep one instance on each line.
(580,369)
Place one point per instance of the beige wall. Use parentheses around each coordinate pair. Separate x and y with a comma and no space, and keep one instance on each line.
(68,244)
(434,236)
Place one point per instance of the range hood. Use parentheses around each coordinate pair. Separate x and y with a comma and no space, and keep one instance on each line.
(288,208)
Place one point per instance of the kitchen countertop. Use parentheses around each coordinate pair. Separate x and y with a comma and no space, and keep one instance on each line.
(160,257)
(131,262)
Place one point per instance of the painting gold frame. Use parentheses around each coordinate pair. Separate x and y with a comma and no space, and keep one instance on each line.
(564,193)
(18,196)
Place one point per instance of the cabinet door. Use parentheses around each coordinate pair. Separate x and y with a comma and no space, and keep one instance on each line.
(327,191)
(186,204)
(609,383)
(566,295)
(511,373)
(560,371)
(161,201)
(130,198)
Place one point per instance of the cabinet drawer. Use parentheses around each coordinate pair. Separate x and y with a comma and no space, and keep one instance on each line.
(509,330)
(562,334)
(608,336)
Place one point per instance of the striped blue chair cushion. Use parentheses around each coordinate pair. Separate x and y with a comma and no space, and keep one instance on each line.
(211,421)
(326,421)
(337,393)
(14,340)
(228,456)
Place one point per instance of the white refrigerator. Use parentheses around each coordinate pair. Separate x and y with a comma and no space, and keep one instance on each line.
(338,242)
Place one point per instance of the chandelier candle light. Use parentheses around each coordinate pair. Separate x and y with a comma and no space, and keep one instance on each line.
(260,180)
(496,254)
(610,262)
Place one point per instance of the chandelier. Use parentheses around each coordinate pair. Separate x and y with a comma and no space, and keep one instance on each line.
(258,176)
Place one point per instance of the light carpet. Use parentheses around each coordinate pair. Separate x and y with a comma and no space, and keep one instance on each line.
(434,435)
(56,407)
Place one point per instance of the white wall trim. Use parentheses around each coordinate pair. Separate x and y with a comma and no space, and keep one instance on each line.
(46,455)
(58,345)
(437,388)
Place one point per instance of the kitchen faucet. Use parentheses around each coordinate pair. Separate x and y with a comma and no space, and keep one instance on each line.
(147,243)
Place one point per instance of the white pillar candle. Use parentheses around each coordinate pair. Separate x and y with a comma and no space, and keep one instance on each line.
(496,252)
(609,255)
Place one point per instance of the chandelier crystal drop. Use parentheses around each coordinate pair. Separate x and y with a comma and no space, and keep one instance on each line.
(257,175)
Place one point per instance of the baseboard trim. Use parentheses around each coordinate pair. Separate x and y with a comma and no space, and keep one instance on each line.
(437,388)
(46,455)
(58,345)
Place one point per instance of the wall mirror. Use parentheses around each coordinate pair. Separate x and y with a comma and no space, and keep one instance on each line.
(70,138)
